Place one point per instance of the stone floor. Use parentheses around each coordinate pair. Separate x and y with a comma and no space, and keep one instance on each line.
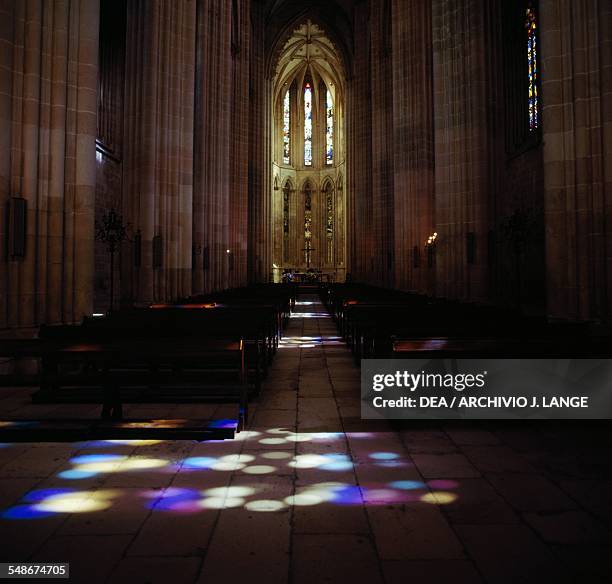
(310,493)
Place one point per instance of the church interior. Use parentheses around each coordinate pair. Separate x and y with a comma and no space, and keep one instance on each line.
(217,211)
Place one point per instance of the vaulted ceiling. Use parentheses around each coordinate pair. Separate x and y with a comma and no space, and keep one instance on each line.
(333,17)
(309,51)
(273,6)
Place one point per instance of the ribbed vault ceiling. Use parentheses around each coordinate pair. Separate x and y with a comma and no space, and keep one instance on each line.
(308,51)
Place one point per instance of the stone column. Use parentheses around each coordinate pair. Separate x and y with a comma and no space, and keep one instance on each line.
(381,100)
(239,171)
(211,204)
(460,133)
(158,168)
(360,241)
(260,164)
(577,121)
(413,147)
(48,81)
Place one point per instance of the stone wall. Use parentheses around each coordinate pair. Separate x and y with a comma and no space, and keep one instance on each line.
(48,79)
(424,141)
(158,163)
(412,144)
(460,136)
(361,236)
(577,97)
(239,124)
(259,157)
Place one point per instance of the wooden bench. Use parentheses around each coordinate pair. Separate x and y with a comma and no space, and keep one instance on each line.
(114,365)
(71,430)
(375,322)
(190,322)
(503,348)
(210,346)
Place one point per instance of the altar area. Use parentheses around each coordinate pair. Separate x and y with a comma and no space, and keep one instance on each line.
(308,275)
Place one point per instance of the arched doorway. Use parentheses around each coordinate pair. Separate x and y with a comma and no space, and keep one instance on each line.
(308,158)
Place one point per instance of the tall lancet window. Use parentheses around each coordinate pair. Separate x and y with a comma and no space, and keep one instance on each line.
(287,128)
(329,130)
(307,124)
(531,25)
(329,228)
(522,75)
(286,195)
(308,224)
(329,203)
(307,212)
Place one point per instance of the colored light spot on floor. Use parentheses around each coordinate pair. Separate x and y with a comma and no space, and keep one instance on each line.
(265,505)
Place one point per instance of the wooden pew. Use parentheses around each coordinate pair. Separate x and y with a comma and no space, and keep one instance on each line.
(371,320)
(143,358)
(256,328)
(152,348)
(71,430)
(507,348)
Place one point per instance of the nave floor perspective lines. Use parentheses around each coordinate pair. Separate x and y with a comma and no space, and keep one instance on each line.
(310,493)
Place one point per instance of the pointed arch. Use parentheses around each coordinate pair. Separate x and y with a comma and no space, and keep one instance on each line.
(307,189)
(308,221)
(287,126)
(329,126)
(328,182)
(326,14)
(287,190)
(308,92)
(308,184)
(329,191)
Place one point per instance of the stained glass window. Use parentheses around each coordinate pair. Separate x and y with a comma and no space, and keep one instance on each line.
(307,224)
(531,26)
(286,128)
(308,125)
(329,131)
(286,195)
(307,212)
(522,75)
(329,196)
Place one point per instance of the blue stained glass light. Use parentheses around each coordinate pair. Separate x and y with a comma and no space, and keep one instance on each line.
(307,125)
(531,26)
(329,131)
(287,128)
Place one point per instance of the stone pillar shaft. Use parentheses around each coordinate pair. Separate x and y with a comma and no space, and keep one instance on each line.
(158,168)
(413,148)
(48,81)
(577,117)
(460,134)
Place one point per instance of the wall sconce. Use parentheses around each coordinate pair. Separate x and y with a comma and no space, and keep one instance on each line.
(430,247)
(112,232)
